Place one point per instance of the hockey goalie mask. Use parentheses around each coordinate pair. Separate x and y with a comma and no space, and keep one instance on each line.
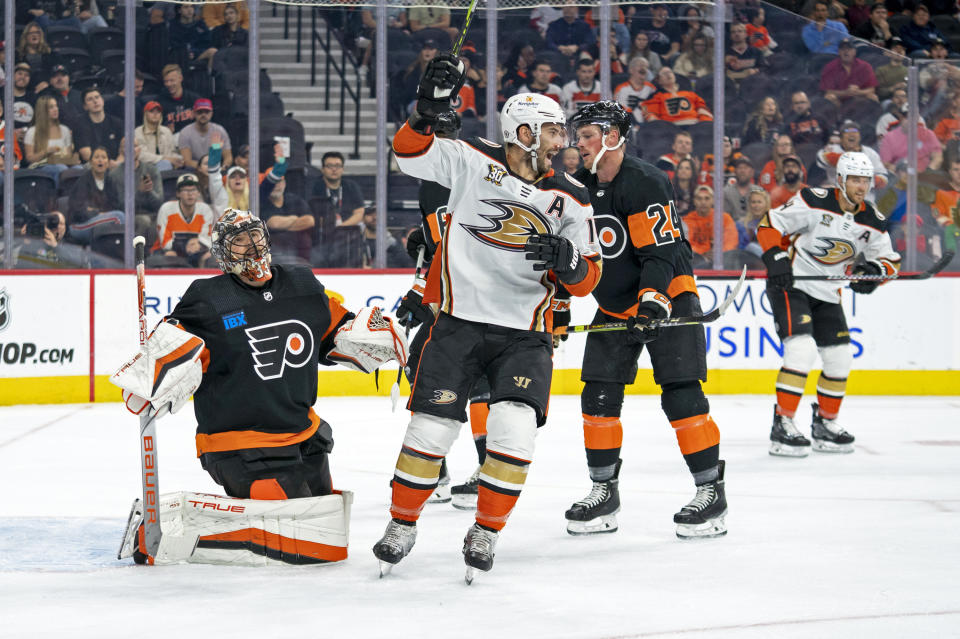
(607,115)
(241,245)
(534,110)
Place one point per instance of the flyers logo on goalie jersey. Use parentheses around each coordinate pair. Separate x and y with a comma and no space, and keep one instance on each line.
(510,226)
(831,250)
(274,346)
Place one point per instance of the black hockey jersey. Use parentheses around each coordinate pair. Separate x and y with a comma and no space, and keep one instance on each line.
(263,346)
(640,235)
(433,209)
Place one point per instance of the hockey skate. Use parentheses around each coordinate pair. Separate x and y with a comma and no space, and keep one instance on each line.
(130,545)
(478,550)
(441,494)
(828,435)
(597,512)
(785,439)
(704,515)
(396,543)
(465,495)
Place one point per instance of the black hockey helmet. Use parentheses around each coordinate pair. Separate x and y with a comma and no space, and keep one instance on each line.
(448,124)
(606,114)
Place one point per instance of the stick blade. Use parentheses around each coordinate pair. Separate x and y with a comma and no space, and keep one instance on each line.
(394,396)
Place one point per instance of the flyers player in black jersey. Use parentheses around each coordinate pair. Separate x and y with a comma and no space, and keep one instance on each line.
(414,312)
(646,275)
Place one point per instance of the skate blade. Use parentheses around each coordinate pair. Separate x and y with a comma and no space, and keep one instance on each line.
(385,568)
(716,527)
(785,450)
(822,446)
(470,574)
(597,526)
(441,495)
(465,502)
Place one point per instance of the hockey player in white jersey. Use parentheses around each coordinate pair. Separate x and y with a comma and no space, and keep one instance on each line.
(820,232)
(516,231)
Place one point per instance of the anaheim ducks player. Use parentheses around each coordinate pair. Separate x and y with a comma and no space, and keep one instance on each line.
(264,330)
(820,232)
(515,231)
(647,275)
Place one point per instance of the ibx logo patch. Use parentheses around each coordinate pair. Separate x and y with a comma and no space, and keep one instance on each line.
(234,320)
(274,346)
(510,226)
(4,309)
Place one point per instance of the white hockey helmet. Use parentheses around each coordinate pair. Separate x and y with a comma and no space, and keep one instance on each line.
(534,110)
(853,163)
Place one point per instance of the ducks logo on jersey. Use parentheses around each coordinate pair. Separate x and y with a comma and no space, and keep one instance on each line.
(510,226)
(832,250)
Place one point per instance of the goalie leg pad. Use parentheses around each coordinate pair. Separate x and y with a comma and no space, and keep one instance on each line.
(209,529)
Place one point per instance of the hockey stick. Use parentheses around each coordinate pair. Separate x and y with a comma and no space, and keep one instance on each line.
(668,322)
(148,428)
(395,389)
(938,266)
(463,32)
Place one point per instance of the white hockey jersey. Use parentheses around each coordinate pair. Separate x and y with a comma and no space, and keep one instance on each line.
(484,273)
(826,240)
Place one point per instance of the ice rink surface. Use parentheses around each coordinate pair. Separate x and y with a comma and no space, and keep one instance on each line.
(861,545)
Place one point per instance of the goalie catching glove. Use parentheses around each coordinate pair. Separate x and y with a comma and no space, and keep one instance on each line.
(162,378)
(369,341)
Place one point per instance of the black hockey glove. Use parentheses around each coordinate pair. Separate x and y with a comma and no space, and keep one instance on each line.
(412,311)
(779,268)
(557,254)
(638,329)
(415,241)
(865,287)
(440,83)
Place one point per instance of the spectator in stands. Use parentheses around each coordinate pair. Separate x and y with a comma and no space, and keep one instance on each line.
(640,48)
(518,67)
(69,99)
(542,16)
(341,197)
(184,224)
(857,14)
(408,79)
(49,144)
(729,157)
(849,140)
(681,149)
(735,194)
(95,198)
(229,33)
(684,185)
(466,101)
(697,61)
(893,115)
(215,14)
(948,126)
(764,124)
(570,34)
(17,153)
(23,98)
(822,35)
(114,104)
(946,208)
(233,190)
(176,101)
(195,138)
(82,14)
(693,26)
(34,50)
(632,93)
(919,35)
(148,195)
(570,158)
(846,77)
(805,127)
(741,59)
(581,91)
(539,82)
(876,29)
(699,223)
(98,129)
(664,33)
(396,253)
(289,220)
(431,14)
(682,108)
(190,37)
(894,147)
(893,75)
(43,246)
(772,172)
(757,34)
(157,140)
(792,181)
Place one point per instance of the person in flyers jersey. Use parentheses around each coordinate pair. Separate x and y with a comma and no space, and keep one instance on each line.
(516,233)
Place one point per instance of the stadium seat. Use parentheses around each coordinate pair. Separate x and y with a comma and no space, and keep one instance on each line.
(113,62)
(76,60)
(286,127)
(271,106)
(104,40)
(36,189)
(230,59)
(66,37)
(67,178)
(758,152)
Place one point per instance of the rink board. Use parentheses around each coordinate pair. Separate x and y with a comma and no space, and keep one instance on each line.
(63,334)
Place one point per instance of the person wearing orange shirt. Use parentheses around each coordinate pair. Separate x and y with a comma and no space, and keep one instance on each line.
(792,181)
(683,108)
(699,223)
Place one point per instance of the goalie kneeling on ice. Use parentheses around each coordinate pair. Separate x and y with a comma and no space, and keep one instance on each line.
(210,529)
